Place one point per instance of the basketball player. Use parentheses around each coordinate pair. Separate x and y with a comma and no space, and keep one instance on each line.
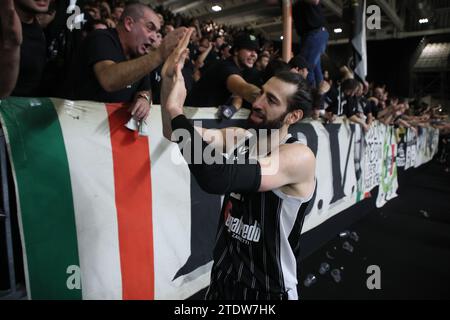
(257,243)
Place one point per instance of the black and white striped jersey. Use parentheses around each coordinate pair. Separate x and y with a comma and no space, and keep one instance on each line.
(257,243)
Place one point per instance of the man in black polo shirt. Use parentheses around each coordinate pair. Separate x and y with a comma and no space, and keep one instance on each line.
(309,23)
(113,65)
(225,78)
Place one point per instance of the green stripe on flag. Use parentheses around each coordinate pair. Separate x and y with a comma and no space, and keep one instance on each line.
(45,195)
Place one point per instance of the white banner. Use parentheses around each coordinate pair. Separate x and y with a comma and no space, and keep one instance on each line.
(388,178)
(411,141)
(373,151)
(335,169)
(401,147)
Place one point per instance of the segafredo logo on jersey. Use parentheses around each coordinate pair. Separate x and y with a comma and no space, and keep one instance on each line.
(242,231)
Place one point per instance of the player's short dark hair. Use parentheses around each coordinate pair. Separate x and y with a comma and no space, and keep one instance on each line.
(273,67)
(302,97)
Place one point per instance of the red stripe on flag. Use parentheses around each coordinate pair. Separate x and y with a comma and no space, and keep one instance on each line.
(132,182)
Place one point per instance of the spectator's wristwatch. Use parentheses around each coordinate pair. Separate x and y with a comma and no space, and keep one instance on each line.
(144,95)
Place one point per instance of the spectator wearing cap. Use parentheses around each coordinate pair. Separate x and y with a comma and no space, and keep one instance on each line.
(225,78)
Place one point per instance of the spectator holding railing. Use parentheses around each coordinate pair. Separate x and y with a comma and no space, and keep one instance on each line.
(351,107)
(365,106)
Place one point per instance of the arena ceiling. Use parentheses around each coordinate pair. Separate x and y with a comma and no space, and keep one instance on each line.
(399,18)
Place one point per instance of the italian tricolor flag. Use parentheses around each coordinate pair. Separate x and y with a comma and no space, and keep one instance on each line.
(91,206)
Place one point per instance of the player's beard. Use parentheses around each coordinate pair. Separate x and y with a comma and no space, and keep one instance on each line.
(268,124)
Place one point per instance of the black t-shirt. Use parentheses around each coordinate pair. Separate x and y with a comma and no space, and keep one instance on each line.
(155,80)
(211,90)
(370,107)
(33,56)
(332,99)
(211,59)
(62,45)
(100,45)
(188,74)
(350,106)
(307,17)
(253,76)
